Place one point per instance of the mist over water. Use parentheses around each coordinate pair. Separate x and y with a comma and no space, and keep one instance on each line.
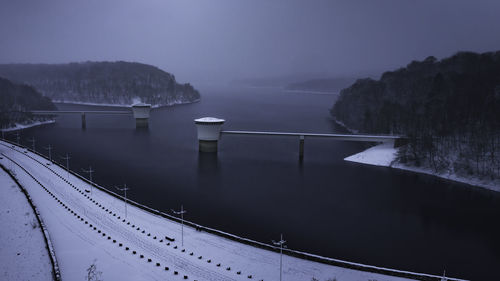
(255,187)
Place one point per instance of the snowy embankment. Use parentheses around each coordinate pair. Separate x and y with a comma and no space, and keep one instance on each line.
(385,155)
(176,102)
(88,224)
(23,253)
(25,126)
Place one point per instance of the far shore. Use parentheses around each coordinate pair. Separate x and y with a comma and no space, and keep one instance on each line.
(385,155)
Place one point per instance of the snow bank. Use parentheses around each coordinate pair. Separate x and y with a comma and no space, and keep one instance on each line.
(24,126)
(380,155)
(176,102)
(23,251)
(385,155)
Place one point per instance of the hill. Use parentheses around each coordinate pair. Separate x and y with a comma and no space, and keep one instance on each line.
(102,82)
(450,109)
(16,99)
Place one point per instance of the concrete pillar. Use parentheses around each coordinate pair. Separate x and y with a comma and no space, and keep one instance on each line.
(301,148)
(208,133)
(141,114)
(84,121)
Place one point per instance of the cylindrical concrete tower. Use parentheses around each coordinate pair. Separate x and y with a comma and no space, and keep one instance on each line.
(208,133)
(141,114)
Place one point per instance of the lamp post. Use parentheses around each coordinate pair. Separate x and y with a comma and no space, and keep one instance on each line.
(49,148)
(90,171)
(281,244)
(181,212)
(67,162)
(32,140)
(124,189)
(17,138)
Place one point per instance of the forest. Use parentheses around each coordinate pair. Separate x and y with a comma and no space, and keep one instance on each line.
(16,99)
(449,109)
(102,82)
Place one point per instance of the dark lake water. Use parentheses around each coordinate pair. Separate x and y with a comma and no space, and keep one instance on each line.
(255,187)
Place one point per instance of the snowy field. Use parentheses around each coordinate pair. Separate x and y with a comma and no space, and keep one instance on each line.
(89,226)
(385,155)
(23,254)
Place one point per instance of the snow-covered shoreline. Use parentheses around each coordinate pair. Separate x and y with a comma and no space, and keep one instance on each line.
(385,155)
(177,102)
(25,126)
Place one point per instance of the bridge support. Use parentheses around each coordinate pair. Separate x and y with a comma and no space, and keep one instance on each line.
(208,129)
(301,148)
(141,114)
(84,121)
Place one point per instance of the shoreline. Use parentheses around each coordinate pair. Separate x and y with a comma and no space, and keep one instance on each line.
(122,105)
(26,126)
(384,155)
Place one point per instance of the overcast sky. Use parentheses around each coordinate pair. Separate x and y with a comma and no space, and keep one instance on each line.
(212,39)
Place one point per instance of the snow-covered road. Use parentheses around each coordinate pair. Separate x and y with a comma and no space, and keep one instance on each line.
(85,227)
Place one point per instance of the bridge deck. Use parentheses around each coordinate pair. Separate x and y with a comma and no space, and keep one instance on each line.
(346,137)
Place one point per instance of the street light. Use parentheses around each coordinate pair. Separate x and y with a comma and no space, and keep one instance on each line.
(124,189)
(32,140)
(89,171)
(67,162)
(49,148)
(181,212)
(280,243)
(17,137)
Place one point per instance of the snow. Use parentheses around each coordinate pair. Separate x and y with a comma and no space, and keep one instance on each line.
(209,120)
(379,155)
(122,105)
(23,253)
(24,126)
(385,155)
(77,245)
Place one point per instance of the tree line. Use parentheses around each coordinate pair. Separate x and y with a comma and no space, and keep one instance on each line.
(449,109)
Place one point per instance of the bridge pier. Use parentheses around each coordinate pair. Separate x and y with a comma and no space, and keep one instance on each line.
(208,129)
(301,148)
(141,113)
(84,121)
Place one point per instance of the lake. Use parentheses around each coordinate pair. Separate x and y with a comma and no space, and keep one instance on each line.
(255,186)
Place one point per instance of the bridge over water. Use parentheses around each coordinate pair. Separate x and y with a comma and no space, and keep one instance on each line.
(210,131)
(141,113)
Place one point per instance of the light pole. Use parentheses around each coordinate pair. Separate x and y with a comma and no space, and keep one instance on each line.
(17,137)
(124,189)
(32,140)
(280,243)
(67,162)
(49,148)
(90,171)
(181,212)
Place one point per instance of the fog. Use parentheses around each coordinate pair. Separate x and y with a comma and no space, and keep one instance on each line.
(217,41)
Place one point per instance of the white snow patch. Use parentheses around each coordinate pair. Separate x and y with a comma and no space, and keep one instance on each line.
(24,126)
(23,253)
(385,155)
(379,155)
(121,104)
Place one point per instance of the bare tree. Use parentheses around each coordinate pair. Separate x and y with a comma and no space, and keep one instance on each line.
(92,273)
